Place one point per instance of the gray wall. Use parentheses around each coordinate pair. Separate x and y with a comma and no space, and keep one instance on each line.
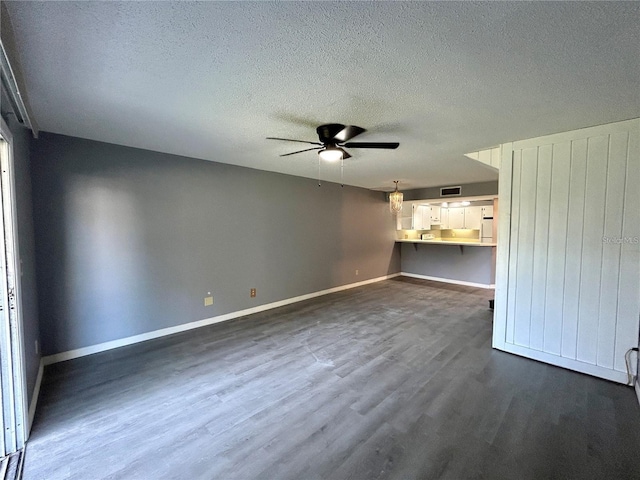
(468,190)
(473,264)
(29,307)
(130,241)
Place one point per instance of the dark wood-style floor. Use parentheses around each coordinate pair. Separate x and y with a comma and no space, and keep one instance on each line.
(391,380)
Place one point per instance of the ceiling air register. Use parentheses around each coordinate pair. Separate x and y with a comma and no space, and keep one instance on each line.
(450,191)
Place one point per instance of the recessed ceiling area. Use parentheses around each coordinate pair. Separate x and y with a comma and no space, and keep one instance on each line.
(212,80)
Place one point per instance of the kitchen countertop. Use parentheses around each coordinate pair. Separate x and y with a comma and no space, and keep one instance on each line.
(461,242)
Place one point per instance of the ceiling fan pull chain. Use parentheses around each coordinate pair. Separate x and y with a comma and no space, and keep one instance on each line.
(319,184)
(342,173)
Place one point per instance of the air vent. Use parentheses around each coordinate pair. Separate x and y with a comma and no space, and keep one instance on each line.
(450,191)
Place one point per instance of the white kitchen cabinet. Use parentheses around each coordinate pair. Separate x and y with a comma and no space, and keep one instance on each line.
(426,218)
(456,217)
(487,211)
(435,215)
(473,217)
(405,217)
(444,217)
(467,217)
(416,224)
(421,217)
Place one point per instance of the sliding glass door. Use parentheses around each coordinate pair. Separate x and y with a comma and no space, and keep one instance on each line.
(13,406)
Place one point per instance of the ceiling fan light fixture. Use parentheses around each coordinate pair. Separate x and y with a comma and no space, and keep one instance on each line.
(331,154)
(395,200)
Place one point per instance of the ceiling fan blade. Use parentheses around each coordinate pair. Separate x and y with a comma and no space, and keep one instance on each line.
(291,140)
(348,132)
(386,145)
(300,151)
(345,154)
(326,133)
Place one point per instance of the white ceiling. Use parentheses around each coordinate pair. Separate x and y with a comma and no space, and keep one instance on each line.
(211,80)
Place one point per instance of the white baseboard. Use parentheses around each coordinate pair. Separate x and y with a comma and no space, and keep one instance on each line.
(448,280)
(36,394)
(121,342)
(568,363)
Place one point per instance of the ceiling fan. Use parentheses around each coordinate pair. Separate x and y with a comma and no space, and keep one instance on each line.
(334,137)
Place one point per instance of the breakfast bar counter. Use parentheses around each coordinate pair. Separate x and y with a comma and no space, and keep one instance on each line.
(442,241)
(461,261)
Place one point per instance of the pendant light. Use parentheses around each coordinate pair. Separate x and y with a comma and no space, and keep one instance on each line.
(395,200)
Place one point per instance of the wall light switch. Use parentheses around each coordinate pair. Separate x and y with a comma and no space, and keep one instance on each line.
(208,301)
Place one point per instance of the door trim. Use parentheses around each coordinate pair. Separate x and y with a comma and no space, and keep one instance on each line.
(15,334)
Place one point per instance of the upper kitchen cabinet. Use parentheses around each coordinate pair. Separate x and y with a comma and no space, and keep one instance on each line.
(444,217)
(421,217)
(434,215)
(465,217)
(437,214)
(426,216)
(473,217)
(413,216)
(405,217)
(487,211)
(456,217)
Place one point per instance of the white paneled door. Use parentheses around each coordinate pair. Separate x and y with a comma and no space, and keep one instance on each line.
(568,281)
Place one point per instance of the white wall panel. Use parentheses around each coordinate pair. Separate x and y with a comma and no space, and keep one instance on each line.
(629,279)
(540,247)
(609,279)
(592,232)
(503,230)
(558,219)
(513,239)
(573,250)
(568,289)
(524,274)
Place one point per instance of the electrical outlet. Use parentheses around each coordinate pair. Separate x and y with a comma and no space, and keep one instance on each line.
(253,292)
(37,347)
(357,272)
(208,301)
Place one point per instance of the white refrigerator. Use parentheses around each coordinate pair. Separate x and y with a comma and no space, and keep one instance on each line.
(486,231)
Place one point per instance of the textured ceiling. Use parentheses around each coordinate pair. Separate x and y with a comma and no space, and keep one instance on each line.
(211,80)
